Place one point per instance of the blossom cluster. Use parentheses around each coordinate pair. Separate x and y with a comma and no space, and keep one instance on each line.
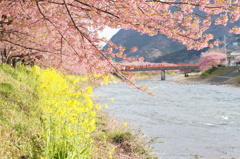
(66,32)
(211,59)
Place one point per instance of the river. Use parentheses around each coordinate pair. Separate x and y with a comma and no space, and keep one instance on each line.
(188,120)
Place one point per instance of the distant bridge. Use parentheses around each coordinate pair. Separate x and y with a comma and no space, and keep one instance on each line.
(163,67)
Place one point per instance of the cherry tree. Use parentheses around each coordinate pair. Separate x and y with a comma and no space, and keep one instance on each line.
(211,59)
(65,33)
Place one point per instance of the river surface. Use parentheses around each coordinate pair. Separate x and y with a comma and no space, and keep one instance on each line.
(188,120)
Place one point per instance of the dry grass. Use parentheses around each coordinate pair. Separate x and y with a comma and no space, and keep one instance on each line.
(234,81)
(119,141)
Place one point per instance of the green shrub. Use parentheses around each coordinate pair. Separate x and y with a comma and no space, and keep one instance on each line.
(209,71)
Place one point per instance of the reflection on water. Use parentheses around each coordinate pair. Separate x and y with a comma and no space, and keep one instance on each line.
(188,119)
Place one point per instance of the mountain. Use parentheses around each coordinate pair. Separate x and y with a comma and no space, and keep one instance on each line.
(159,48)
(149,47)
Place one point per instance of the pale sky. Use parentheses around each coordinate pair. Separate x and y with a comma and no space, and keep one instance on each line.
(108,32)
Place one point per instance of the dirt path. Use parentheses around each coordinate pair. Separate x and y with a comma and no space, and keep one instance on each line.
(197,78)
(225,77)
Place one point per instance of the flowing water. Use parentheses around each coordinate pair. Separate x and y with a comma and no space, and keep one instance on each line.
(188,120)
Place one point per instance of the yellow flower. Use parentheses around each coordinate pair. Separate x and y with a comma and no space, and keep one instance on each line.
(89,89)
(75,81)
(125,124)
(112,99)
(98,106)
(105,79)
(65,111)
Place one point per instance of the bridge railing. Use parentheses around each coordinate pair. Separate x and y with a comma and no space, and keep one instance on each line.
(160,65)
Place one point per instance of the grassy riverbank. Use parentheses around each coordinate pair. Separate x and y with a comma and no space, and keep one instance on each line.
(45,114)
(230,75)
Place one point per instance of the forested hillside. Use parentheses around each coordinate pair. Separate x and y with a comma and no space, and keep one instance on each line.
(159,48)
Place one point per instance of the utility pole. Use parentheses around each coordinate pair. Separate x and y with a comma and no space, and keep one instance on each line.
(225,49)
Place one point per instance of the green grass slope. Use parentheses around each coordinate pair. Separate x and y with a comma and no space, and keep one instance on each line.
(25,132)
(18,127)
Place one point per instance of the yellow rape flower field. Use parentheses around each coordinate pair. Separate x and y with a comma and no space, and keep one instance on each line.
(45,114)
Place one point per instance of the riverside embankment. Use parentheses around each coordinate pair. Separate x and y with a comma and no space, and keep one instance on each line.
(217,75)
(186,119)
(47,114)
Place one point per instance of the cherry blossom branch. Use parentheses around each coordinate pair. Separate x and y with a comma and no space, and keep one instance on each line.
(23,46)
(62,36)
(100,52)
(185,3)
(104,11)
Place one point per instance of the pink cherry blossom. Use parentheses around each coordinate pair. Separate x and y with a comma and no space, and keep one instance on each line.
(65,33)
(211,59)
